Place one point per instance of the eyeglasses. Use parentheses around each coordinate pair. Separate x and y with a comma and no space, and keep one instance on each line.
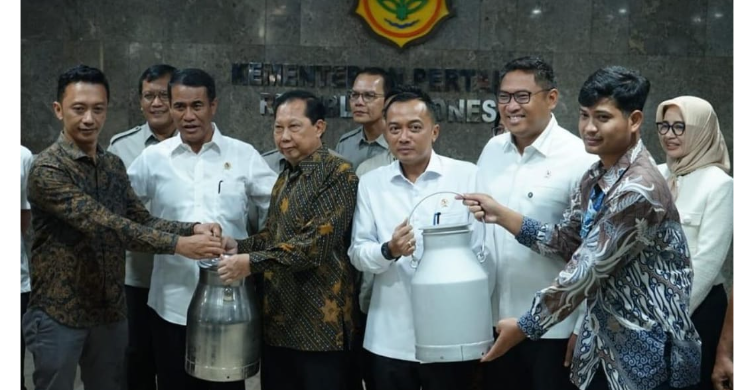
(678,128)
(522,97)
(367,97)
(150,96)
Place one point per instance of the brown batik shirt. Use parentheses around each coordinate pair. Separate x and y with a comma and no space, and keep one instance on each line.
(309,293)
(85,214)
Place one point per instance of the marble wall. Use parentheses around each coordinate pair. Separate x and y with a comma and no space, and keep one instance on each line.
(683,47)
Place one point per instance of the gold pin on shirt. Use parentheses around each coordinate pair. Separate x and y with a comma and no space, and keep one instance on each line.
(227,165)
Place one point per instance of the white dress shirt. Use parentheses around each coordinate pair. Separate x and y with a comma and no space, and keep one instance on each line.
(26,159)
(128,145)
(385,199)
(706,206)
(537,184)
(217,184)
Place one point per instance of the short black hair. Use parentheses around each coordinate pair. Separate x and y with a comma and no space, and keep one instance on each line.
(544,75)
(376,71)
(408,93)
(81,74)
(627,88)
(192,77)
(315,110)
(154,72)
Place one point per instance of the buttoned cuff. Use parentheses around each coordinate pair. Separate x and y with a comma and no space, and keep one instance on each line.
(529,231)
(531,326)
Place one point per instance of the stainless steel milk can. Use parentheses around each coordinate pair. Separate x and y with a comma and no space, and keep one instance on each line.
(223,328)
(450,297)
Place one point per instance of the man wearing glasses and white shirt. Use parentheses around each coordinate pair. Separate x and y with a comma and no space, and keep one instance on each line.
(383,241)
(199,174)
(533,167)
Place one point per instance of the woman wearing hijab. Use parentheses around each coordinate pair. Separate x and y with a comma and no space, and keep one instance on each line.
(696,171)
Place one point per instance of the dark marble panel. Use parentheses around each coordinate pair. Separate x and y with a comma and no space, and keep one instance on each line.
(41,64)
(462,141)
(460,31)
(668,27)
(180,55)
(719,38)
(114,64)
(117,121)
(496,25)
(332,23)
(246,123)
(45,20)
(324,55)
(610,23)
(554,26)
(283,22)
(126,21)
(239,22)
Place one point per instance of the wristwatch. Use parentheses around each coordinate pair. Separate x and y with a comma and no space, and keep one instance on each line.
(386,252)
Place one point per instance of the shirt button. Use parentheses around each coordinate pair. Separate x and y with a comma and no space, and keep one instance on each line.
(530,195)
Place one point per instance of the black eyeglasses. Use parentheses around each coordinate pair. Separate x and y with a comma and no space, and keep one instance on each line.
(150,96)
(368,97)
(522,97)
(678,128)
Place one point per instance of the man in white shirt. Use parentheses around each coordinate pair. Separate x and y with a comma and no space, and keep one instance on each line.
(533,167)
(200,174)
(383,241)
(140,367)
(26,159)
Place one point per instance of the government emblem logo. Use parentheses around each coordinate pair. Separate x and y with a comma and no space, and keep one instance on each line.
(403,22)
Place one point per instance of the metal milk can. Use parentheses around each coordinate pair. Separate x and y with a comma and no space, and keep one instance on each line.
(450,296)
(223,328)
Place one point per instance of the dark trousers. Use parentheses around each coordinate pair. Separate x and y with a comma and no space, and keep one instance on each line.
(394,374)
(291,369)
(531,365)
(599,382)
(24,305)
(140,367)
(708,319)
(58,350)
(360,371)
(169,347)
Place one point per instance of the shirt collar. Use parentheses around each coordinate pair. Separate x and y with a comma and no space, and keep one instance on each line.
(607,179)
(542,143)
(309,163)
(435,166)
(217,142)
(380,140)
(151,138)
(72,150)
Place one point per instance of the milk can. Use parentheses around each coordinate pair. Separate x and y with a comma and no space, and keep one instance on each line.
(223,328)
(450,296)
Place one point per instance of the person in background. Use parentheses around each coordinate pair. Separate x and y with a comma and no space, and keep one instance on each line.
(26,159)
(697,170)
(153,97)
(366,100)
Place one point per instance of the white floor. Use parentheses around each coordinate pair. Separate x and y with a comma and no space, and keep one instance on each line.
(252,383)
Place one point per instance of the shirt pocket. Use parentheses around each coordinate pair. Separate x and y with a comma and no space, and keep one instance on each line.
(691,223)
(554,199)
(232,201)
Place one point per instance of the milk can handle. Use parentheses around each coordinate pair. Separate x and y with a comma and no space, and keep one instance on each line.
(481,256)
